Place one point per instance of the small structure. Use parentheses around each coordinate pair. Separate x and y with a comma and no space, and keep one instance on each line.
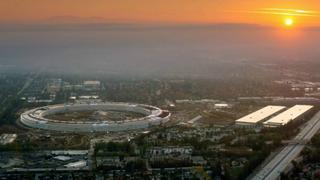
(78,164)
(7,138)
(198,160)
(91,85)
(171,151)
(221,106)
(109,161)
(62,158)
(192,121)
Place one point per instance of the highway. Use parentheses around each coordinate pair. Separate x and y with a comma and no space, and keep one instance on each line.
(278,164)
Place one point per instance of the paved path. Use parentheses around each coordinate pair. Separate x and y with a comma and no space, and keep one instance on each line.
(278,164)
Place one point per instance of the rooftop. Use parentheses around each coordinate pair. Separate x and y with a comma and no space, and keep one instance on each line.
(260,114)
(288,115)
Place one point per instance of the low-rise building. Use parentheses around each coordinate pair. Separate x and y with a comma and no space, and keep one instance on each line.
(285,117)
(91,85)
(258,116)
(174,151)
(7,138)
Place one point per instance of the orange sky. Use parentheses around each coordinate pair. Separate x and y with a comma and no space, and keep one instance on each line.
(191,11)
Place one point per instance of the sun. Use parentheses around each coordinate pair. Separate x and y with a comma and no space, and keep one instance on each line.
(288,22)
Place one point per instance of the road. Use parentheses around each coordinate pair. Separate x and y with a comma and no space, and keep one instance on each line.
(25,86)
(278,164)
(194,119)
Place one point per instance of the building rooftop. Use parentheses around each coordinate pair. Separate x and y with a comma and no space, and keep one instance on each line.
(7,138)
(288,115)
(260,114)
(91,82)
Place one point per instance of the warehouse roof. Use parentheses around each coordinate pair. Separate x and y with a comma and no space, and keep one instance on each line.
(288,115)
(260,115)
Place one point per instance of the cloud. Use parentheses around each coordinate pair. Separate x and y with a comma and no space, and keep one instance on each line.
(283,11)
(299,11)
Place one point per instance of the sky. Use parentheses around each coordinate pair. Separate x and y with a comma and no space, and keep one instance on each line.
(200,51)
(262,12)
(59,37)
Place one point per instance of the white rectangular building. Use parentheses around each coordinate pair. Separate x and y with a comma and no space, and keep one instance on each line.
(259,115)
(78,164)
(285,117)
(7,138)
(92,85)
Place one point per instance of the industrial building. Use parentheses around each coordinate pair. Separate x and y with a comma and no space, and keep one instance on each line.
(285,117)
(258,116)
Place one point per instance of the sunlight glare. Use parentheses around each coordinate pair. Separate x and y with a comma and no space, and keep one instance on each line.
(288,22)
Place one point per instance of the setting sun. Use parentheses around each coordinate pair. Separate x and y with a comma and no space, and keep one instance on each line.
(288,22)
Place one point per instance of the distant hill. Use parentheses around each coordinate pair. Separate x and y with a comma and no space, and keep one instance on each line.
(81,20)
